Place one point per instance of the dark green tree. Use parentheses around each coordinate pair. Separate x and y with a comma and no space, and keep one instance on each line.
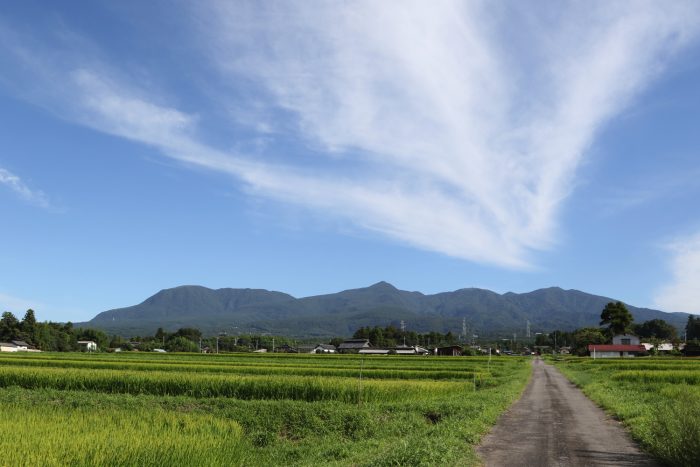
(582,338)
(29,322)
(656,328)
(181,344)
(192,334)
(617,318)
(692,328)
(9,327)
(160,335)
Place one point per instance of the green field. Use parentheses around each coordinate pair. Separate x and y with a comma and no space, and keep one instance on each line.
(245,409)
(658,399)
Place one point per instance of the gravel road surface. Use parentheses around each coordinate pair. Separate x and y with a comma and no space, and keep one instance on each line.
(554,424)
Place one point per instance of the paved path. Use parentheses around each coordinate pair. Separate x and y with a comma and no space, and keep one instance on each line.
(554,424)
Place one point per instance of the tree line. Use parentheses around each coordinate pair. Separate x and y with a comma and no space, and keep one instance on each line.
(390,336)
(47,336)
(62,337)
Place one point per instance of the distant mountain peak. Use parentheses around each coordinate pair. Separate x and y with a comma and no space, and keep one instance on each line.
(381,304)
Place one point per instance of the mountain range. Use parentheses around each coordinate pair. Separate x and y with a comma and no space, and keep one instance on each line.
(245,311)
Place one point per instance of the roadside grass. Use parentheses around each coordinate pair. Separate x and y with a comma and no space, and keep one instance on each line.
(657,399)
(279,418)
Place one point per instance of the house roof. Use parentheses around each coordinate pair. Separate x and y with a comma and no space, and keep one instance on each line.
(325,346)
(354,344)
(7,344)
(20,343)
(450,347)
(615,348)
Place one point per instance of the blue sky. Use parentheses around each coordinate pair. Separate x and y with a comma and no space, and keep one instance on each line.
(311,147)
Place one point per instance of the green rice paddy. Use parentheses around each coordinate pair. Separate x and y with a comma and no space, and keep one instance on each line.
(244,409)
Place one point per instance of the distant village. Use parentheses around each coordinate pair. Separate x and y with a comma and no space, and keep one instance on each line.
(621,338)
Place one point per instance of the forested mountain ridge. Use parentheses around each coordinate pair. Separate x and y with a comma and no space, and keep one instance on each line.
(340,314)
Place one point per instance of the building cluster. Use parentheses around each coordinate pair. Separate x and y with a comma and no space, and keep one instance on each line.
(628,345)
(364,347)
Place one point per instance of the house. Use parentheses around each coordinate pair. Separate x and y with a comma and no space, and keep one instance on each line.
(411,350)
(88,346)
(325,348)
(353,345)
(21,345)
(448,351)
(625,339)
(615,350)
(8,347)
(661,347)
(623,346)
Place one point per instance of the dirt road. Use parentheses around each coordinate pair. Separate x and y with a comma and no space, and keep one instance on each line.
(554,424)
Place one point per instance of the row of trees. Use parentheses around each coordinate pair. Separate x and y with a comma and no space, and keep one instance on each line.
(620,321)
(390,336)
(50,336)
(47,336)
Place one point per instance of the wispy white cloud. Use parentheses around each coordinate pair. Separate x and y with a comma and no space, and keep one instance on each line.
(456,127)
(470,143)
(682,292)
(15,184)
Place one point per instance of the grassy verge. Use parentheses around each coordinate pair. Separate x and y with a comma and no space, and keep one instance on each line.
(657,399)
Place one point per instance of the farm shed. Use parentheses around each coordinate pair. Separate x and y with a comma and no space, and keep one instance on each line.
(615,350)
(449,351)
(411,350)
(353,345)
(8,347)
(325,348)
(21,345)
(89,346)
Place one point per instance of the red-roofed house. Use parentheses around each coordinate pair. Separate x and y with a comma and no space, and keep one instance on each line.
(615,350)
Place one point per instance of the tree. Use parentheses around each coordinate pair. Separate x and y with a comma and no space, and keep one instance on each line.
(192,334)
(9,326)
(28,324)
(181,344)
(617,317)
(656,328)
(585,336)
(692,328)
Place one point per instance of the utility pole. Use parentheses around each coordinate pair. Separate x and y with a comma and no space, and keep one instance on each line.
(464,329)
(403,331)
(527,332)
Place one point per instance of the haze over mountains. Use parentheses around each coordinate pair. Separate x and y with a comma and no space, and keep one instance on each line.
(340,314)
